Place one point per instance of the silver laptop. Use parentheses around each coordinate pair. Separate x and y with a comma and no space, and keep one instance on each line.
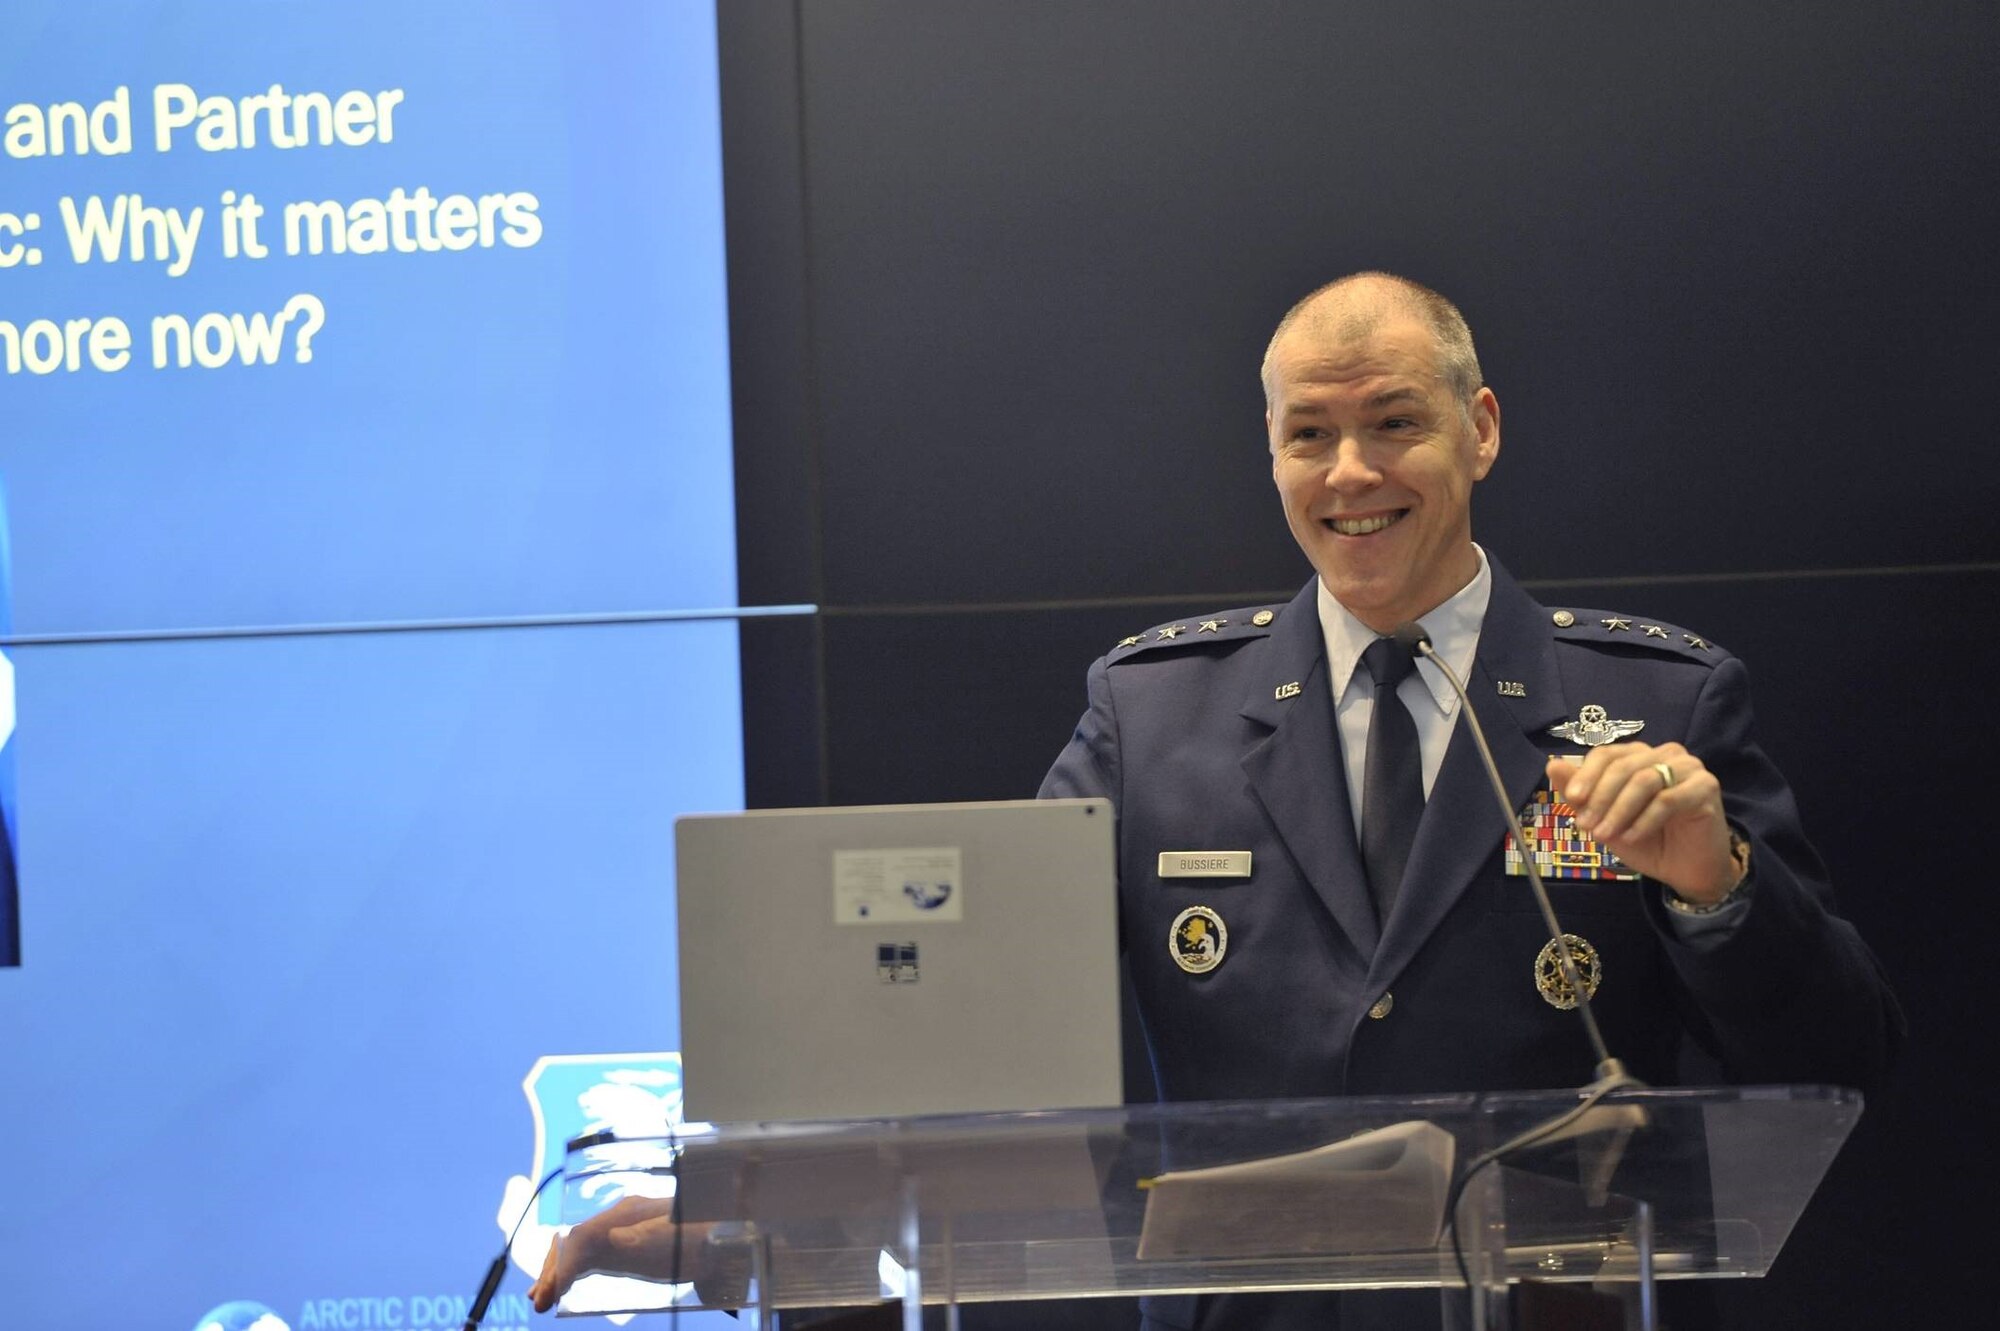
(898,959)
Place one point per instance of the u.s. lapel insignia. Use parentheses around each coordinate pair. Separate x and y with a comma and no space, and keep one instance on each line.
(1547,826)
(1593,726)
(1553,985)
(1513,688)
(1291,690)
(1197,940)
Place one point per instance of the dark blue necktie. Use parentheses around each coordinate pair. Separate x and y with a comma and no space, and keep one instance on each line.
(1392,797)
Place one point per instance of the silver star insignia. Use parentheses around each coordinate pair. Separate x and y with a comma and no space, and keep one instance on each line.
(1593,726)
(1132,641)
(1699,644)
(1616,625)
(1653,630)
(1211,625)
(1173,630)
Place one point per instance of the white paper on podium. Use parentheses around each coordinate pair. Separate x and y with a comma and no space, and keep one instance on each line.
(1379,1191)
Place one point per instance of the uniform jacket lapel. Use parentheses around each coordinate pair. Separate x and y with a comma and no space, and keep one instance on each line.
(1296,771)
(1461,828)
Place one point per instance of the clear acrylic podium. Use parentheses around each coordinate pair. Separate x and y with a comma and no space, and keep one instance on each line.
(1190,1198)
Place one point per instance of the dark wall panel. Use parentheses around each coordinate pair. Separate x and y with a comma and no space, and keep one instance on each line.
(770,319)
(784,731)
(955,706)
(1716,255)
(996,339)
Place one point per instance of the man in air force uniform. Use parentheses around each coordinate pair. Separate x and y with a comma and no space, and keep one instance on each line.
(1289,938)
(1333,961)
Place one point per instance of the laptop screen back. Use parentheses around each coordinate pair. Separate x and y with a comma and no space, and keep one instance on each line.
(898,959)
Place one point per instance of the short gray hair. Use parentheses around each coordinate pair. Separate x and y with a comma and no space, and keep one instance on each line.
(1457,362)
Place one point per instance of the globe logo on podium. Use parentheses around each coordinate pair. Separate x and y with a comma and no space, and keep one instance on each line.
(241,1315)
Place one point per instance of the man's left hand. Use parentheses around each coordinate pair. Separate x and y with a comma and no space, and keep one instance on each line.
(633,1238)
(1659,809)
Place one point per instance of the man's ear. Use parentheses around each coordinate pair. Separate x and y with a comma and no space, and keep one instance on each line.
(1485,432)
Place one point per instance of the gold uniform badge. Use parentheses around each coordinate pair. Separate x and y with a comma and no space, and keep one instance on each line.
(1554,986)
(1197,940)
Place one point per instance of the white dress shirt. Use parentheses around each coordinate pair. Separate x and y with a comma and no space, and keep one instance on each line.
(1454,632)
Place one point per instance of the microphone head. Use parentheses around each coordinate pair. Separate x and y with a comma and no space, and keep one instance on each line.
(1413,638)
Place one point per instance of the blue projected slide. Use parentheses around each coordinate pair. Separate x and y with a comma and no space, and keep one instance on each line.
(430,295)
(302,916)
(347,315)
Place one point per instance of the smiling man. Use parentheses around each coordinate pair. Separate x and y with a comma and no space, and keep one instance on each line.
(1317,895)
(1379,427)
(1371,931)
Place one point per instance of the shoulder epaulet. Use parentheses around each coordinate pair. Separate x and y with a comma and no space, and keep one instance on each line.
(1223,626)
(1607,628)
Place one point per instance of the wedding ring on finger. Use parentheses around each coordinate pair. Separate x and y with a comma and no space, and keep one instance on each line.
(1666,775)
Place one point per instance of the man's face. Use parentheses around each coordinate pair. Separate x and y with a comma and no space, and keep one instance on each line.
(1375,460)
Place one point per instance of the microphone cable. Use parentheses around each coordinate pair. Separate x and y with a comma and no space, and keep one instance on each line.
(498,1270)
(1593,1093)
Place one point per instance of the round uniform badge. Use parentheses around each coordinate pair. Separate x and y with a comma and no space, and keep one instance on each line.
(1198,940)
(1549,978)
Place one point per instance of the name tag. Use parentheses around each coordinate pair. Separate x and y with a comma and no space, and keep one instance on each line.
(1204,864)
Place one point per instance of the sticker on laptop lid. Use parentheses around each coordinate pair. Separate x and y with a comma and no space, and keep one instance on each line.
(899,885)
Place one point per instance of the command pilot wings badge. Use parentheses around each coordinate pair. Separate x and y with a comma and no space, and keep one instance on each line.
(1593,726)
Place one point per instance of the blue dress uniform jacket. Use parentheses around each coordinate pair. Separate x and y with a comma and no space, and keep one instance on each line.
(1225,740)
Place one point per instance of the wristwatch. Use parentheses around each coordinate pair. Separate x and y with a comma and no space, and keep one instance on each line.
(1739,851)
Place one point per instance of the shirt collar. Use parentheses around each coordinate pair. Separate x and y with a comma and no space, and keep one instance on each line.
(1453,628)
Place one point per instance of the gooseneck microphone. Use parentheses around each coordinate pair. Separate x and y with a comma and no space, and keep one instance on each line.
(1609,1070)
(1611,1074)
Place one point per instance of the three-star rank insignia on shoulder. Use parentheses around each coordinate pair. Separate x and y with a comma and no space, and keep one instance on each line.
(1561,849)
(1593,626)
(1229,626)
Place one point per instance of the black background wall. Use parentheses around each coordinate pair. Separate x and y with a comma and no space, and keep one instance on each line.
(1001,272)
